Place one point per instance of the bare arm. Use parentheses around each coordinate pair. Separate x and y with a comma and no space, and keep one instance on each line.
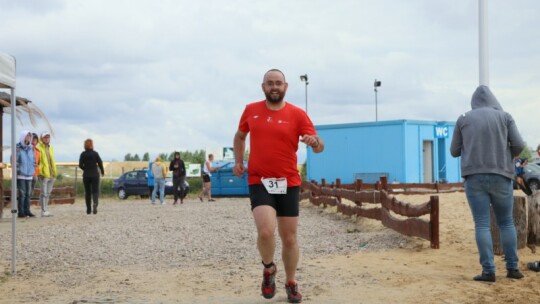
(239,146)
(210,168)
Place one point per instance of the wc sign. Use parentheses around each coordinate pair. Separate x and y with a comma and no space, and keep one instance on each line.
(441,131)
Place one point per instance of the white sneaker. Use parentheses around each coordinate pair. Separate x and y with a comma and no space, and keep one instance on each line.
(45,214)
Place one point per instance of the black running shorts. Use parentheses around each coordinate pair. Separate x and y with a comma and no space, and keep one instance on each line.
(206,178)
(285,204)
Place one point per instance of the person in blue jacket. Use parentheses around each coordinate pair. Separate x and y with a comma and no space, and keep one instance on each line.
(150,179)
(521,163)
(26,166)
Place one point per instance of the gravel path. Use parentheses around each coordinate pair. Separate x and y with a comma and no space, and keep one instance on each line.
(135,234)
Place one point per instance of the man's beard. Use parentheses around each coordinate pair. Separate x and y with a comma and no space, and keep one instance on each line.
(273,98)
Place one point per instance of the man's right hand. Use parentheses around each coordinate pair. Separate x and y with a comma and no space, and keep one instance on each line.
(239,169)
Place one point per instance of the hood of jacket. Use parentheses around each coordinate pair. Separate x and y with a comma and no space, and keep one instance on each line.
(484,98)
(22,138)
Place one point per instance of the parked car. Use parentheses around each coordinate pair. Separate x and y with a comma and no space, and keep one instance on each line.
(532,176)
(136,183)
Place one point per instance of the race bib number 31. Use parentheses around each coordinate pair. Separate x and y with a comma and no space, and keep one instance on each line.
(275,185)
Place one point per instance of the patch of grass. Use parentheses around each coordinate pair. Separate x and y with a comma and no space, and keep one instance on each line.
(4,277)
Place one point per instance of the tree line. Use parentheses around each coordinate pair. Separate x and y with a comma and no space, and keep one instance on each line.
(527,154)
(195,157)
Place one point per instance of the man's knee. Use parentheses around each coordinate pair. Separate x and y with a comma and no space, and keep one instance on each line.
(289,240)
(266,234)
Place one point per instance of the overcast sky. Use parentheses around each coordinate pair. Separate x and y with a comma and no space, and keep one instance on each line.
(157,76)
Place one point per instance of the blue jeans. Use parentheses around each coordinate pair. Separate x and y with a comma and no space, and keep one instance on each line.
(24,187)
(483,191)
(159,186)
(46,189)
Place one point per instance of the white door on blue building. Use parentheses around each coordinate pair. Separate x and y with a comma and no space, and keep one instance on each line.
(427,161)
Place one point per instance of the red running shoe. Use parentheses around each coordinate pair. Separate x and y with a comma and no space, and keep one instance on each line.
(293,295)
(268,286)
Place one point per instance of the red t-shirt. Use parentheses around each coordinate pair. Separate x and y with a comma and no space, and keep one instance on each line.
(274,141)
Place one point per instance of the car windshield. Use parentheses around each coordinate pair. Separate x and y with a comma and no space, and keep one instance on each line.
(131,175)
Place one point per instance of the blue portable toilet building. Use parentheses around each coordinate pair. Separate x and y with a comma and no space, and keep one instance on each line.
(405,151)
(225,183)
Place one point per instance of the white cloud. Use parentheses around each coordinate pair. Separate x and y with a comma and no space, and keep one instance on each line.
(155,76)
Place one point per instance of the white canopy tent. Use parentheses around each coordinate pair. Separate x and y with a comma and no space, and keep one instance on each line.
(7,71)
(7,81)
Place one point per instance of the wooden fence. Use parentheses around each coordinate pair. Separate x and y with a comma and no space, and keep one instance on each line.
(59,195)
(412,188)
(379,194)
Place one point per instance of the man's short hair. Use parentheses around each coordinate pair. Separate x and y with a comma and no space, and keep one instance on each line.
(274,70)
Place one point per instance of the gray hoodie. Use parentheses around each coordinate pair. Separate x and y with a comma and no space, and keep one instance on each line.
(486,138)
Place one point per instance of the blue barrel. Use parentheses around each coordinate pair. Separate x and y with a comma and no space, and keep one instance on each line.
(225,183)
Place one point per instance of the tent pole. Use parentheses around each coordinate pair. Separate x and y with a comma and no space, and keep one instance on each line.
(13,186)
(483,42)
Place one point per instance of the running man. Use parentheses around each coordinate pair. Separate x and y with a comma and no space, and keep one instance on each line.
(273,178)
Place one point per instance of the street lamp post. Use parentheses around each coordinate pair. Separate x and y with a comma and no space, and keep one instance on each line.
(376,84)
(304,78)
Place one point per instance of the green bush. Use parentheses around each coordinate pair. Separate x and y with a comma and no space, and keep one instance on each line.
(195,185)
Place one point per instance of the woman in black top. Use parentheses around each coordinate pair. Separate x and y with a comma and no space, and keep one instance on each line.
(89,162)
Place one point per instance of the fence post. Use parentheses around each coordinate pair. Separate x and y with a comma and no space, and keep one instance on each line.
(519,213)
(358,185)
(1,195)
(434,221)
(384,182)
(533,237)
(338,186)
(314,183)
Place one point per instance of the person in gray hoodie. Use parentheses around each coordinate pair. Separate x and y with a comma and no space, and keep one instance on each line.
(487,139)
(160,173)
(26,166)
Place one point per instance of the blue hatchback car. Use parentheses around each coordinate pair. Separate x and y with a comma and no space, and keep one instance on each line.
(136,183)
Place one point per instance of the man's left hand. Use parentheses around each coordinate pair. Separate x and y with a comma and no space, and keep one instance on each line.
(310,140)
